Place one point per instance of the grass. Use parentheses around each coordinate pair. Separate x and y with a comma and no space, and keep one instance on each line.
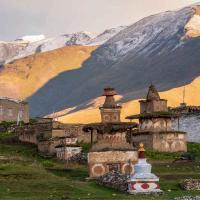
(24,175)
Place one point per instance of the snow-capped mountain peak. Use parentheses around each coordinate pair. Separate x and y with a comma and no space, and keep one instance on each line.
(38,43)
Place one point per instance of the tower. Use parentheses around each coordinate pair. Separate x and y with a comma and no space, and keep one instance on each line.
(110,111)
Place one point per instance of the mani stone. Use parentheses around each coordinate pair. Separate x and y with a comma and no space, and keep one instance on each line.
(143,181)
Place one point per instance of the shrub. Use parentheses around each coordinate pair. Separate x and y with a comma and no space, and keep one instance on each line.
(47,163)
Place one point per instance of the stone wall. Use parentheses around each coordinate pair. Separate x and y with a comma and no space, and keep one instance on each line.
(101,163)
(47,134)
(171,141)
(48,147)
(111,141)
(65,153)
(10,109)
(145,138)
(155,124)
(153,106)
(31,133)
(43,131)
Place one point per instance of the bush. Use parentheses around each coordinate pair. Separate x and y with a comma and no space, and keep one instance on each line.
(155,155)
(47,163)
(194,148)
(85,146)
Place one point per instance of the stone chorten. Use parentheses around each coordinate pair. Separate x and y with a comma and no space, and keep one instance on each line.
(111,152)
(155,127)
(110,111)
(143,181)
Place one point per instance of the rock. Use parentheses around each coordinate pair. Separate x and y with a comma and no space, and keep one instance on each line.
(80,158)
(114,180)
(191,184)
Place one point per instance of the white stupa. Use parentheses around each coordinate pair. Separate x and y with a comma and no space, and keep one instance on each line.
(143,181)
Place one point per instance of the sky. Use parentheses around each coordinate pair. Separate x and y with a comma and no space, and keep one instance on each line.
(55,17)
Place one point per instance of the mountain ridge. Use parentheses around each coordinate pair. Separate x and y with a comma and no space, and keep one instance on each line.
(156,50)
(29,45)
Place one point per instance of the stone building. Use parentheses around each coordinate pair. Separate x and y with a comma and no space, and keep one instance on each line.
(47,134)
(13,110)
(67,148)
(66,152)
(111,151)
(155,129)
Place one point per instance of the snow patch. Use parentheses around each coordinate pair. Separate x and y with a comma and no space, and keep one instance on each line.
(31,38)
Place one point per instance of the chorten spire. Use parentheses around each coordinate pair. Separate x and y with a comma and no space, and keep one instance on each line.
(109,93)
(153,93)
(110,110)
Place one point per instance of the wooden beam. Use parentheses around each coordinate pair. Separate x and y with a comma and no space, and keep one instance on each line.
(91,136)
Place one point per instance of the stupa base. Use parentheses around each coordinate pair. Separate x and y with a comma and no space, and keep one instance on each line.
(144,187)
(147,192)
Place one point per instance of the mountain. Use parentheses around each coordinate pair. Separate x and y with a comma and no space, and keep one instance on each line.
(39,59)
(29,45)
(157,49)
(66,74)
(105,36)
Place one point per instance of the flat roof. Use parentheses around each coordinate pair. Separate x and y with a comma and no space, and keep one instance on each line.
(13,100)
(162,114)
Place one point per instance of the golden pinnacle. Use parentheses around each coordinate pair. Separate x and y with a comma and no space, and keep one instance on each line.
(141,147)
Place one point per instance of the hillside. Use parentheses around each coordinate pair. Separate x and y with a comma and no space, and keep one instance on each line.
(22,173)
(174,97)
(23,77)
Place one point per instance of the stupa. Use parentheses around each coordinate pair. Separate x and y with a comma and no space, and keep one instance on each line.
(143,181)
(111,152)
(155,125)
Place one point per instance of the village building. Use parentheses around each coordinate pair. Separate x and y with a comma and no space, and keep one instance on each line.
(67,148)
(47,134)
(155,127)
(111,150)
(185,109)
(12,110)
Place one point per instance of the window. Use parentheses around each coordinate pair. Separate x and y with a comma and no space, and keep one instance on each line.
(106,118)
(115,118)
